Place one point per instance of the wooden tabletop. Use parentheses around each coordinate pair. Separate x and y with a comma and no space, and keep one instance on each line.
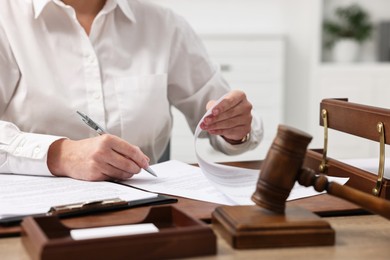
(357,237)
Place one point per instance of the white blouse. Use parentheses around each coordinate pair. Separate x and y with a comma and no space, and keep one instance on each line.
(137,62)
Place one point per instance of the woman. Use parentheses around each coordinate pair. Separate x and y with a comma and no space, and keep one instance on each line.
(123,63)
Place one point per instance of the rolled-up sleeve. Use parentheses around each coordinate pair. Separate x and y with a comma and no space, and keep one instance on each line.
(24,153)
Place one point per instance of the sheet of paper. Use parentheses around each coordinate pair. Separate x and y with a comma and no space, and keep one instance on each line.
(369,164)
(179,179)
(24,195)
(112,231)
(226,185)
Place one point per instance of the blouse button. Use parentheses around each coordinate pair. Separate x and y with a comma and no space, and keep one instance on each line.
(97,96)
(18,150)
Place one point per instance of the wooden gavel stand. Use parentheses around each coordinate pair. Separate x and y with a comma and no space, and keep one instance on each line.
(270,223)
(256,227)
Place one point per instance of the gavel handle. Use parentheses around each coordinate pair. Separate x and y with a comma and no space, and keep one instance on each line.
(308,177)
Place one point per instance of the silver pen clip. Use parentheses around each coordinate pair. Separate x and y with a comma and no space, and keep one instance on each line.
(91,123)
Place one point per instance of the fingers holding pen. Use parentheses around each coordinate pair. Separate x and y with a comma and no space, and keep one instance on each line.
(131,152)
(124,158)
(104,157)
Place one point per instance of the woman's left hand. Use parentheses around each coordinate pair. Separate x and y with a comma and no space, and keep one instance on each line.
(231,118)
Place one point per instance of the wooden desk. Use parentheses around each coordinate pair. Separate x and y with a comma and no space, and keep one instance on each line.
(357,237)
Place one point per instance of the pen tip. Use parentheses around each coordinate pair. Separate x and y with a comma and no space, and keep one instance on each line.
(151,172)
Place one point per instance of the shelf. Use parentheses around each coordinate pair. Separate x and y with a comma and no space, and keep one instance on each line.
(356,67)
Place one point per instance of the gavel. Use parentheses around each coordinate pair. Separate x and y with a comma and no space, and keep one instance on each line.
(283,166)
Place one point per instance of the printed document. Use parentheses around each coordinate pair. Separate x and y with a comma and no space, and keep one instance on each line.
(26,195)
(369,164)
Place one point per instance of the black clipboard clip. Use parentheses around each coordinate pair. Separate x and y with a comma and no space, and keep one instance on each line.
(87,207)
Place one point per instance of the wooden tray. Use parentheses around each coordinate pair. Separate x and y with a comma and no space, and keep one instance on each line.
(368,122)
(179,236)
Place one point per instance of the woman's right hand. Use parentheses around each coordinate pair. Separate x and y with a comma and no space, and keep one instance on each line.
(105,157)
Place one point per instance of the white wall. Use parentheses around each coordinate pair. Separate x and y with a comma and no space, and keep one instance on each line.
(231,16)
(301,17)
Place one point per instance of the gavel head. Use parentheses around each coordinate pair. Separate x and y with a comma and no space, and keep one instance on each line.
(280,168)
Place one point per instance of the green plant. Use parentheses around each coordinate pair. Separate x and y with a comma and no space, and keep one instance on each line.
(351,22)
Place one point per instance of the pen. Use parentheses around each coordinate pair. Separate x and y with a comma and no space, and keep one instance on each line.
(101,131)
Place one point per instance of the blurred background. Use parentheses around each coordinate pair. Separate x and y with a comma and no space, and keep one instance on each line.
(288,56)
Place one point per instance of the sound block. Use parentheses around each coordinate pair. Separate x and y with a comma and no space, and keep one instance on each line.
(255,227)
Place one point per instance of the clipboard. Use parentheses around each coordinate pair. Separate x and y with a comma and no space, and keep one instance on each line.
(85,208)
